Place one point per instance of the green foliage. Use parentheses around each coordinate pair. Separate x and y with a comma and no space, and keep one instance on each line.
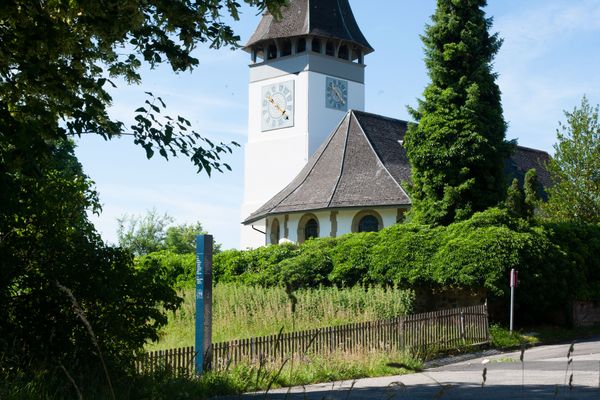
(181,239)
(351,259)
(259,266)
(151,233)
(514,199)
(243,311)
(310,267)
(457,148)
(179,268)
(143,235)
(70,305)
(531,190)
(58,60)
(69,302)
(502,338)
(575,168)
(556,263)
(581,246)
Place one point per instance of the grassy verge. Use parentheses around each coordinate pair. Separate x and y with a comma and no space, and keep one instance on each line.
(244,311)
(503,339)
(314,370)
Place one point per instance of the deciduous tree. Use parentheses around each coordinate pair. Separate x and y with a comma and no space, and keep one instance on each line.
(575,167)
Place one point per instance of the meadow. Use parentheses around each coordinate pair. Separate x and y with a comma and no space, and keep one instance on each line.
(241,311)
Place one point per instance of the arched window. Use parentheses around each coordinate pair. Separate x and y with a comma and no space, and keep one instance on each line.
(357,55)
(286,47)
(301,46)
(316,45)
(258,54)
(344,52)
(271,52)
(330,48)
(367,221)
(308,227)
(275,231)
(311,229)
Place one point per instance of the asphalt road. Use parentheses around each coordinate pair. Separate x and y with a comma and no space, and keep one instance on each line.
(542,375)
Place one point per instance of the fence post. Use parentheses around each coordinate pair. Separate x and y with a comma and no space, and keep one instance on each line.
(462,325)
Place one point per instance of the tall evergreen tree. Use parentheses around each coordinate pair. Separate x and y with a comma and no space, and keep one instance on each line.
(457,148)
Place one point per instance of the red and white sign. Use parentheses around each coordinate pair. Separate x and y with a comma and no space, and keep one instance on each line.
(514,278)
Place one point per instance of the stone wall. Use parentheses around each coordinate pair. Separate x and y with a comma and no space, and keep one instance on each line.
(586,313)
(432,299)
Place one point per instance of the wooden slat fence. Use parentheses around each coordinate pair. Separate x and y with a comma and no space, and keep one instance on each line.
(438,330)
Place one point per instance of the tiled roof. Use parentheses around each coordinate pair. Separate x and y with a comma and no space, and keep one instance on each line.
(522,160)
(323,18)
(363,164)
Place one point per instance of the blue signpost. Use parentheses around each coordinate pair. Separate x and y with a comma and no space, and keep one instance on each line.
(204,245)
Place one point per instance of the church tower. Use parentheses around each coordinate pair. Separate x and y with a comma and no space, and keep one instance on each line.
(307,71)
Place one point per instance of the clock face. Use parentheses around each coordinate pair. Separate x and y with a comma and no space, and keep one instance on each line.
(278,105)
(336,94)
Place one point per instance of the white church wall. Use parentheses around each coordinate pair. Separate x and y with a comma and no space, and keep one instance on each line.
(344,221)
(324,120)
(251,239)
(388,215)
(344,218)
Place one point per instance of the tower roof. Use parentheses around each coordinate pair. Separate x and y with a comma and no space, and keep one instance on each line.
(322,18)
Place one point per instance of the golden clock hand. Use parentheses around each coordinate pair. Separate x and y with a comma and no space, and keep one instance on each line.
(277,106)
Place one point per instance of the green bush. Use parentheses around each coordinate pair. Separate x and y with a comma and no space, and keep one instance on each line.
(351,259)
(179,268)
(556,262)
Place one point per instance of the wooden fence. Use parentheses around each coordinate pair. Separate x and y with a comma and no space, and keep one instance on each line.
(437,330)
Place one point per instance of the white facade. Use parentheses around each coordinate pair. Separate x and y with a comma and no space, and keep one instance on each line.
(274,157)
(331,223)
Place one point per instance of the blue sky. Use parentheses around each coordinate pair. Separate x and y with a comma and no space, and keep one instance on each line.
(549,59)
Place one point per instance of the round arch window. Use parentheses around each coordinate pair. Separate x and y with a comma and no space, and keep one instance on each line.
(368,223)
(275,231)
(311,229)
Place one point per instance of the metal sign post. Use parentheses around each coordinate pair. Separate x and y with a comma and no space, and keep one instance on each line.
(204,245)
(514,282)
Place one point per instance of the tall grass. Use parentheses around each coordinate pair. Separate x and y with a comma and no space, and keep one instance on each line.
(245,311)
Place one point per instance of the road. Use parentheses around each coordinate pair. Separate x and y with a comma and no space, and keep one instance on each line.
(542,375)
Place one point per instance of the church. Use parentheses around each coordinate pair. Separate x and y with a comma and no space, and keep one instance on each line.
(316,164)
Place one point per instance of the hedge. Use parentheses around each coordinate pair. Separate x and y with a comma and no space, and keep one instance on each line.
(556,262)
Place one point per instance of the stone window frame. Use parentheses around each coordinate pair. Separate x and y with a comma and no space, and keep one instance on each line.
(302,226)
(365,213)
(275,225)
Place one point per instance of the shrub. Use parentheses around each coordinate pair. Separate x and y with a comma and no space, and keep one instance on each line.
(179,268)
(351,259)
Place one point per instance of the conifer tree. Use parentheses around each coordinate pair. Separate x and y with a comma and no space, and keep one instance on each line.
(531,190)
(514,199)
(457,148)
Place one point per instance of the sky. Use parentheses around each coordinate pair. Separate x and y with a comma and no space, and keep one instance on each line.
(549,59)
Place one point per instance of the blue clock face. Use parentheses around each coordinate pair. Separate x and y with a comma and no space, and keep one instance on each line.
(336,94)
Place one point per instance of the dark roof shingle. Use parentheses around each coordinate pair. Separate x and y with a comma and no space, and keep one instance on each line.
(323,18)
(350,169)
(363,163)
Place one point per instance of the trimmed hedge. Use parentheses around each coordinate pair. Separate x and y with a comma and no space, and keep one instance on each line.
(556,262)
